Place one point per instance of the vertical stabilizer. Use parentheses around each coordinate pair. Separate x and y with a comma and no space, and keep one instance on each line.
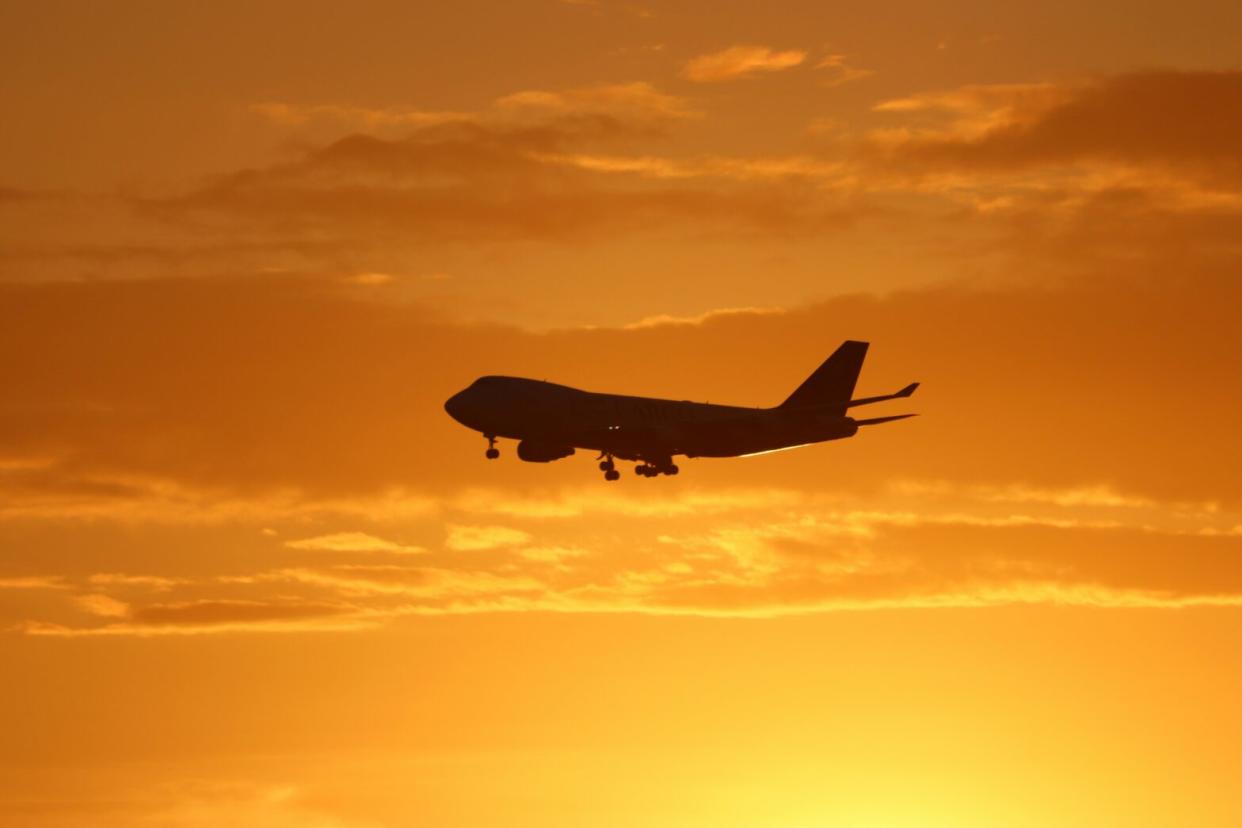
(832,384)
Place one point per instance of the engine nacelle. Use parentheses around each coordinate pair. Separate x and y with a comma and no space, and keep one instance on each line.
(533,452)
(833,426)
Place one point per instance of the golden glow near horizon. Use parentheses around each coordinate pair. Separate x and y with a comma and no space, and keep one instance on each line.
(252,574)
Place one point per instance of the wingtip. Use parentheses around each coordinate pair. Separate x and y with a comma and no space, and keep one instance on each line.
(908,390)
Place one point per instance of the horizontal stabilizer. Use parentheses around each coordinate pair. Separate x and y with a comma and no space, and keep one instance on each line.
(878,420)
(905,392)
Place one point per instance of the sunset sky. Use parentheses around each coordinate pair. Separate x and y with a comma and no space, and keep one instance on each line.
(251,574)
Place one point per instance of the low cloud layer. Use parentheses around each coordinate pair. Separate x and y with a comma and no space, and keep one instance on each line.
(760,553)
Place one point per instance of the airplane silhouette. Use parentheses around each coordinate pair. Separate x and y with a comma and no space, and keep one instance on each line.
(550,421)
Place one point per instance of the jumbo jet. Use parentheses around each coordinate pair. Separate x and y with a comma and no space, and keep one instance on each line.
(552,421)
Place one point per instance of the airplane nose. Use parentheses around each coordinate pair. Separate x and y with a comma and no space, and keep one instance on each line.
(454,405)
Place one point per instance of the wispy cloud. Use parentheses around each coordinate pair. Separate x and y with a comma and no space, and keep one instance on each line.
(370,279)
(102,605)
(714,315)
(352,542)
(838,71)
(637,102)
(739,62)
(568,504)
(158,583)
(208,617)
(149,499)
(290,114)
(760,553)
(33,582)
(1106,120)
(474,538)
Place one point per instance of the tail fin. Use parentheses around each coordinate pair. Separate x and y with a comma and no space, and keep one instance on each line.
(833,382)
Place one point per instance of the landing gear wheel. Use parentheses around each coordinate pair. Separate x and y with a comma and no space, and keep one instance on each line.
(607,465)
(672,469)
(612,474)
(493,453)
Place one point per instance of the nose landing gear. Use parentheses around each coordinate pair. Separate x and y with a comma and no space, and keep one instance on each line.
(609,467)
(492,452)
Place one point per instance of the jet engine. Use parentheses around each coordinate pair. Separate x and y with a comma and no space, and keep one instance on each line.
(846,427)
(533,452)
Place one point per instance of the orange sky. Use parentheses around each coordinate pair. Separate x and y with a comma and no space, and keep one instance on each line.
(251,573)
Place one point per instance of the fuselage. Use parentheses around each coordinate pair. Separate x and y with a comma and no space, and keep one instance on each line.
(546,414)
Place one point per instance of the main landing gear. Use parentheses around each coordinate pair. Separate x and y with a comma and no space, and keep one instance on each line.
(608,465)
(609,468)
(492,451)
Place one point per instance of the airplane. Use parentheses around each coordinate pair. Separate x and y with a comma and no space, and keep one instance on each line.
(552,421)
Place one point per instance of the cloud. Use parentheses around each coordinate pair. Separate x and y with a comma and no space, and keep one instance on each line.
(600,165)
(288,114)
(435,588)
(460,182)
(352,542)
(636,103)
(564,165)
(103,605)
(158,583)
(932,543)
(562,504)
(839,72)
(1168,118)
(204,613)
(371,279)
(761,170)
(209,616)
(202,804)
(474,538)
(739,62)
(697,319)
(999,102)
(33,582)
(552,554)
(62,493)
